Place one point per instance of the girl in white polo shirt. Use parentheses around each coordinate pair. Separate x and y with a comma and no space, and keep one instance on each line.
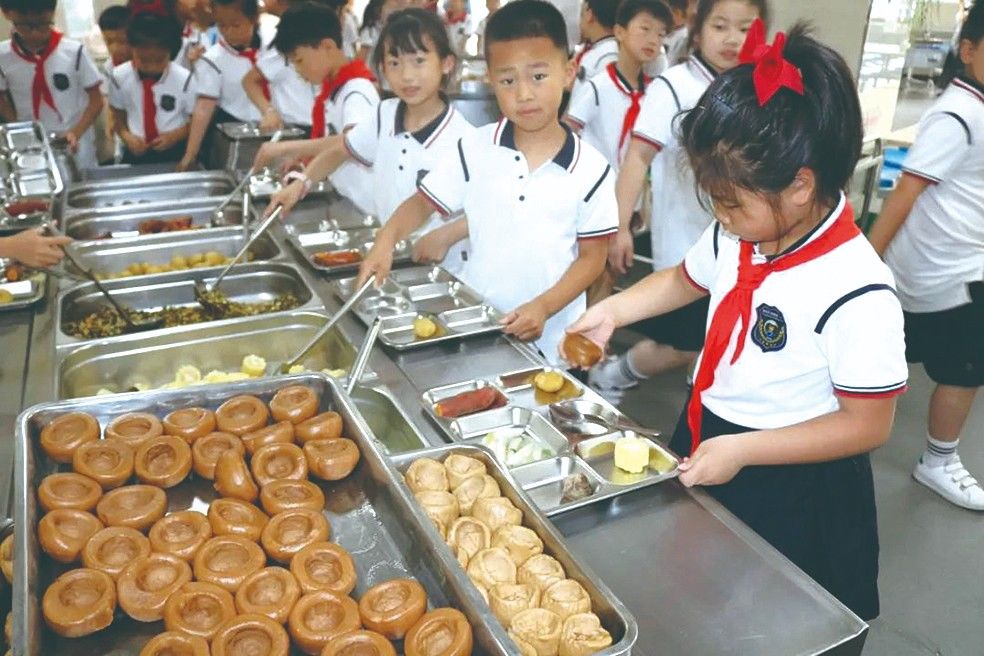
(931,231)
(804,353)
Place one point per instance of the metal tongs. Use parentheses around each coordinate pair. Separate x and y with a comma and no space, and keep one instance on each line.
(218,211)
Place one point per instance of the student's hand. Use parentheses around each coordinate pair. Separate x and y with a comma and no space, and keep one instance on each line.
(714,462)
(195,53)
(186,164)
(378,261)
(34,249)
(597,324)
(167,140)
(621,251)
(133,143)
(271,121)
(432,248)
(289,196)
(526,321)
(267,153)
(72,140)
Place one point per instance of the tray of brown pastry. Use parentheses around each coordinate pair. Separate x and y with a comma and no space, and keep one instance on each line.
(341,251)
(233,515)
(546,599)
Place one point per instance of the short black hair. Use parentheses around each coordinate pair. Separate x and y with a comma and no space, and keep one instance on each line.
(527,19)
(973,26)
(114,18)
(155,31)
(29,6)
(404,32)
(704,9)
(629,9)
(307,24)
(249,8)
(734,143)
(604,11)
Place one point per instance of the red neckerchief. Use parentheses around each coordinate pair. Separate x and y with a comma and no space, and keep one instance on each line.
(350,71)
(737,306)
(580,55)
(454,19)
(635,98)
(149,107)
(251,54)
(40,92)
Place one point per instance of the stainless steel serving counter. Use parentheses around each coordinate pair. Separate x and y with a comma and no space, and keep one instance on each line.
(697,580)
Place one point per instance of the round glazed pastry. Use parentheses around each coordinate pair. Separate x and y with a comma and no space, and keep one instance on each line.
(232,478)
(136,506)
(112,549)
(206,450)
(7,558)
(241,414)
(542,571)
(359,643)
(441,632)
(180,533)
(64,532)
(566,598)
(425,474)
(68,490)
(489,567)
(79,602)
(497,512)
(466,537)
(580,351)
(145,585)
(281,432)
(294,403)
(271,591)
(65,433)
(331,460)
(324,566)
(522,543)
(246,635)
(173,643)
(442,506)
(318,617)
(190,424)
(133,428)
(163,461)
(108,462)
(278,461)
(460,468)
(290,531)
(583,635)
(392,607)
(540,628)
(509,599)
(198,609)
(227,560)
(286,494)
(325,426)
(236,517)
(474,488)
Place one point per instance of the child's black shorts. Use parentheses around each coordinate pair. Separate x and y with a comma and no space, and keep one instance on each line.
(950,344)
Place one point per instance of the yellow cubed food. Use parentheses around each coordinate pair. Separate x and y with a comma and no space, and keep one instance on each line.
(297,369)
(179,262)
(215,258)
(253,365)
(424,327)
(632,454)
(549,381)
(188,375)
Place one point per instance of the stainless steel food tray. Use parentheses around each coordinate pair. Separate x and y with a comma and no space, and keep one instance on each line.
(152,361)
(26,292)
(334,241)
(267,181)
(162,188)
(239,131)
(371,515)
(29,172)
(615,617)
(246,283)
(124,222)
(456,308)
(322,215)
(22,135)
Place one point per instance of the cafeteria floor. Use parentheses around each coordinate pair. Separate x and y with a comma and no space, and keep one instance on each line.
(932,582)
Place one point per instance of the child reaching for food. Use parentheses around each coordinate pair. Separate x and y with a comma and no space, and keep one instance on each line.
(804,353)
(540,203)
(410,135)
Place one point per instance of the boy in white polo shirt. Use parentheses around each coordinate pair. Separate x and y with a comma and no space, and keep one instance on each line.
(597,23)
(150,95)
(539,202)
(931,232)
(50,79)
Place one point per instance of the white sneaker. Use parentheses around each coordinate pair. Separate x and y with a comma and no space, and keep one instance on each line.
(951,481)
(608,380)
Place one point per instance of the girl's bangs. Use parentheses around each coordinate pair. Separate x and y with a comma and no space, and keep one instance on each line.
(405,42)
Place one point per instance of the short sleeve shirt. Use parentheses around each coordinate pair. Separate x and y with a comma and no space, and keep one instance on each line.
(292,96)
(173,99)
(219,75)
(354,102)
(599,107)
(593,59)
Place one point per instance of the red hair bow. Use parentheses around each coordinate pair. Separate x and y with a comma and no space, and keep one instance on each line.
(772,71)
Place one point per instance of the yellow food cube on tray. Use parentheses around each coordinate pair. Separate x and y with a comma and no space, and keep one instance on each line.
(632,454)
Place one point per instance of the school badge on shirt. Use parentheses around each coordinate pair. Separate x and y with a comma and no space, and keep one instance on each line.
(769,333)
(168,102)
(61,81)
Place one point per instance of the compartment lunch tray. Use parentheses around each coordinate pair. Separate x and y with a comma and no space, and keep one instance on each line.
(25,292)
(355,243)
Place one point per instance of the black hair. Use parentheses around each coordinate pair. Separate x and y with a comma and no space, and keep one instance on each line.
(973,26)
(114,18)
(678,5)
(527,19)
(734,143)
(704,9)
(604,11)
(372,14)
(307,24)
(29,6)
(250,8)
(404,32)
(629,9)
(157,31)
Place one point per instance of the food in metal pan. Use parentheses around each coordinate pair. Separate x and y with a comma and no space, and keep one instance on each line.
(6,297)
(520,542)
(177,263)
(510,599)
(540,628)
(236,517)
(206,450)
(470,402)
(232,477)
(514,447)
(549,381)
(144,585)
(290,531)
(391,608)
(271,591)
(541,570)
(26,207)
(466,537)
(180,534)
(175,642)
(331,460)
(294,403)
(442,506)
(286,494)
(241,415)
(497,512)
(156,226)
(319,617)
(251,634)
(135,506)
(108,462)
(441,632)
(198,609)
(281,432)
(575,487)
(426,474)
(474,488)
(424,327)
(227,560)
(359,643)
(324,566)
(632,454)
(79,602)
(461,468)
(65,433)
(278,461)
(67,490)
(583,635)
(189,423)
(64,532)
(113,548)
(336,258)
(566,598)
(324,426)
(492,566)
(163,461)
(7,557)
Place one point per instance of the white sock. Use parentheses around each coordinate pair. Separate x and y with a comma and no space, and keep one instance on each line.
(629,369)
(938,452)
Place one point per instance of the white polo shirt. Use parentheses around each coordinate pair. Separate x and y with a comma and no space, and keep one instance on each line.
(174,100)
(599,107)
(677,218)
(193,37)
(459,33)
(400,159)
(524,225)
(291,95)
(829,327)
(675,44)
(940,247)
(219,75)
(593,58)
(352,103)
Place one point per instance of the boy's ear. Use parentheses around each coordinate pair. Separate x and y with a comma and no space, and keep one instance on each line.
(448,64)
(328,45)
(967,48)
(570,72)
(619,33)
